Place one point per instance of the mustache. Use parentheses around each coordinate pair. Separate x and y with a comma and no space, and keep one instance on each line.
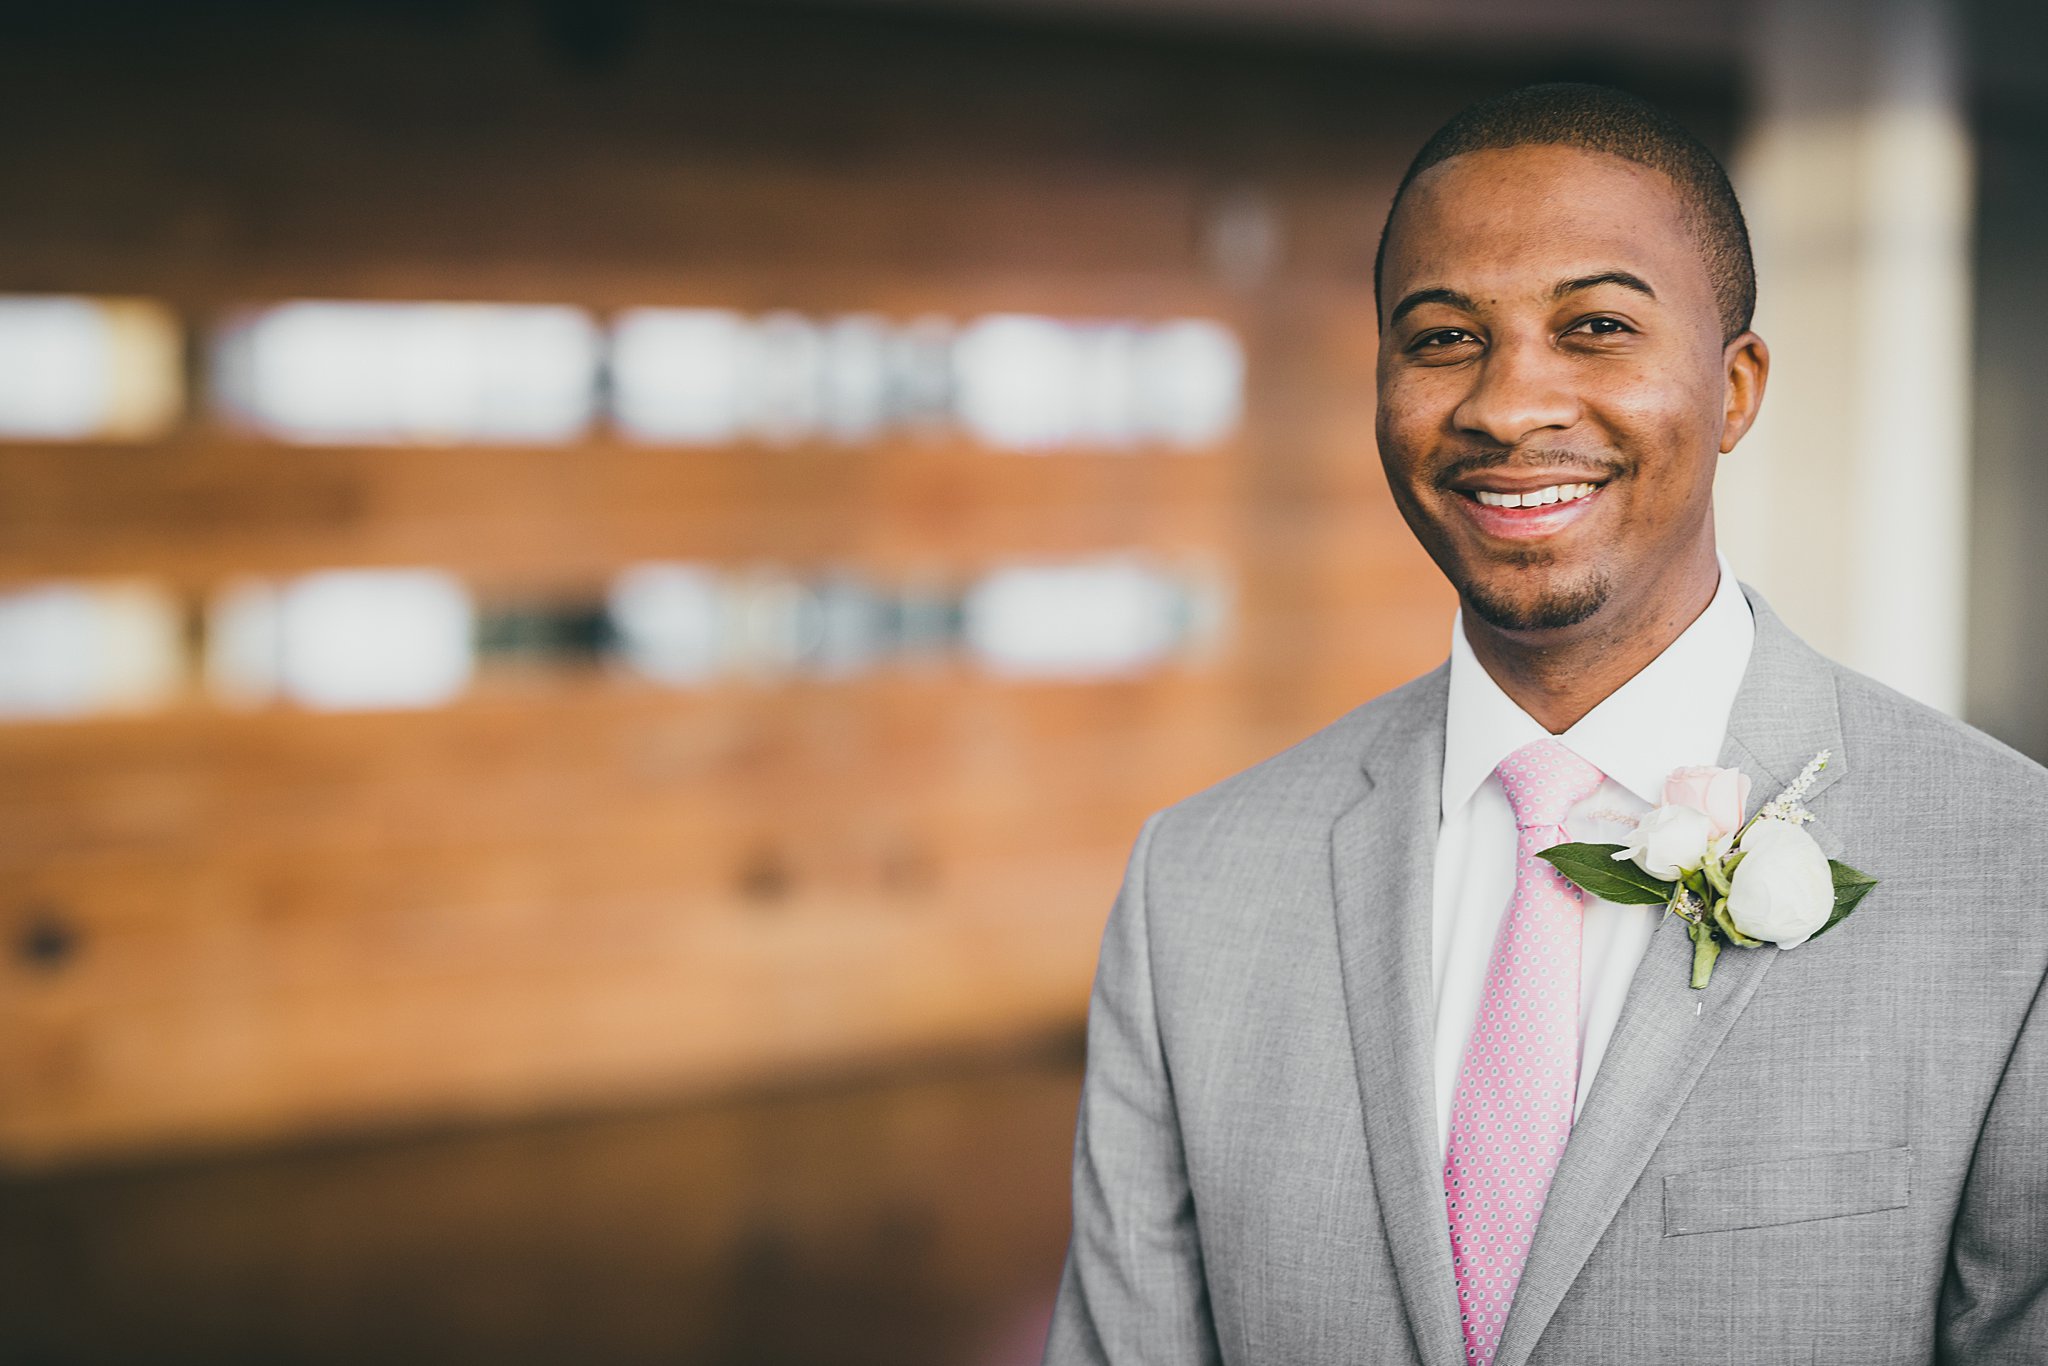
(1593,469)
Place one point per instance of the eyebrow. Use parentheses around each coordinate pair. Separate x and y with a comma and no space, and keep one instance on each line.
(1605,277)
(1441,294)
(1438,294)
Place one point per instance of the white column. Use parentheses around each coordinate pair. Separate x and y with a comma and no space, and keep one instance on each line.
(1847,506)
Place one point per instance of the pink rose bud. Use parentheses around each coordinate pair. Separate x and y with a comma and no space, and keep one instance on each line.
(1719,794)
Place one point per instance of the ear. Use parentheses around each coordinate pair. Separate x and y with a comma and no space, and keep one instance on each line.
(1745,366)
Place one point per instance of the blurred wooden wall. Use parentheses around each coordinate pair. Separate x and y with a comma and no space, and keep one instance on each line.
(571,890)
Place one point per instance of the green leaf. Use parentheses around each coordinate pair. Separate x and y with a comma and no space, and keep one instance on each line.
(1850,888)
(1593,867)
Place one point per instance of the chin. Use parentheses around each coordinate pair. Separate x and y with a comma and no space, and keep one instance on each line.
(1537,607)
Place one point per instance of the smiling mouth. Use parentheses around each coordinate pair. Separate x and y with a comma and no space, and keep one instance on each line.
(1532,498)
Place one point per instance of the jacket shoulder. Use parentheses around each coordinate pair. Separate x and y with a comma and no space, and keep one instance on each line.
(1897,733)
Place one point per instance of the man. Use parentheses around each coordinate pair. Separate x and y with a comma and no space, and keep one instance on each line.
(1830,1153)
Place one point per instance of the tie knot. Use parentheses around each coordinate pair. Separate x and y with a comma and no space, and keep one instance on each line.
(1544,780)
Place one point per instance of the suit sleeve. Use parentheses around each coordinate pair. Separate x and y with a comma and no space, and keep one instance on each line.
(1133,1291)
(1994,1300)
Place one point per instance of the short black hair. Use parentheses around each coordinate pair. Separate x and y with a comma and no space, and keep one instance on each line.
(1599,118)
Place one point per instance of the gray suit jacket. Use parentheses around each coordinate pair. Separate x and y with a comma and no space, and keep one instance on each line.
(1837,1153)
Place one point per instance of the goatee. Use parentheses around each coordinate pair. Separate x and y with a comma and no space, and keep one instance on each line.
(1551,611)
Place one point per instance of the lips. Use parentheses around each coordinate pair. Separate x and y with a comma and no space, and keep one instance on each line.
(1536,497)
(1524,510)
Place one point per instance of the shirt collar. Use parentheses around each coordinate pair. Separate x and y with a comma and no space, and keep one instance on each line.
(1672,714)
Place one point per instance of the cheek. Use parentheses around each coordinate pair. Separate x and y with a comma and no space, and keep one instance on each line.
(1409,417)
(1672,430)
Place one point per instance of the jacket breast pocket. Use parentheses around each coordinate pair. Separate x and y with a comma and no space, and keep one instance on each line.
(1789,1191)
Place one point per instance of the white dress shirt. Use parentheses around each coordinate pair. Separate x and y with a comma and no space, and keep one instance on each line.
(1672,714)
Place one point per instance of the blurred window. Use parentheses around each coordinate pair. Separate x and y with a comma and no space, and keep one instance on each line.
(682,374)
(855,626)
(702,376)
(242,645)
(687,624)
(77,369)
(365,639)
(855,380)
(1090,619)
(1031,383)
(671,621)
(344,640)
(76,649)
(1021,381)
(1012,381)
(1189,382)
(920,366)
(393,373)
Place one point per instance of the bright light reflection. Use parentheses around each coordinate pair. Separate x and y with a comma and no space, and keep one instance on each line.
(1031,383)
(324,373)
(1190,382)
(680,374)
(1013,381)
(1093,619)
(74,369)
(856,378)
(1020,381)
(72,649)
(370,639)
(344,640)
(671,621)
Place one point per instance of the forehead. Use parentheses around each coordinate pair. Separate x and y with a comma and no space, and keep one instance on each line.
(1514,221)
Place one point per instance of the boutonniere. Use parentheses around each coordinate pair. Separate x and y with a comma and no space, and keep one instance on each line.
(1764,880)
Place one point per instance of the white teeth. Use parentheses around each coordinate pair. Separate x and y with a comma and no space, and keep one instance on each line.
(1535,498)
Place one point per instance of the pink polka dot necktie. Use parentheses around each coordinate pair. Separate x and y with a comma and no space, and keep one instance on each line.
(1512,1111)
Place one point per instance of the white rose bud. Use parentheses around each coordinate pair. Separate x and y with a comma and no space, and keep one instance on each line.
(1782,890)
(1669,842)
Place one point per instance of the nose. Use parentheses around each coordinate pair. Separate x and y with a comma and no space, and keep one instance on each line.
(1519,389)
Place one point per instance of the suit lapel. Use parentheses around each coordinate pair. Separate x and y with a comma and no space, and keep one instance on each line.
(1667,1032)
(1383,851)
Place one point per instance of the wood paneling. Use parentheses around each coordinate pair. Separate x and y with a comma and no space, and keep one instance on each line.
(571,888)
(205,507)
(275,921)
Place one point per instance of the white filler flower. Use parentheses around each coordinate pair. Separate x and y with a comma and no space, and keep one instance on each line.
(1782,890)
(1669,842)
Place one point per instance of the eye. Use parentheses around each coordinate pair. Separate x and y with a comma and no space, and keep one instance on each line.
(1442,339)
(1601,326)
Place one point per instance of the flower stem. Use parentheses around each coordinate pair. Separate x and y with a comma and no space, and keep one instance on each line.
(1705,949)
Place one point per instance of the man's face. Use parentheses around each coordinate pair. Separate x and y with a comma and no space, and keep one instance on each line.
(1554,391)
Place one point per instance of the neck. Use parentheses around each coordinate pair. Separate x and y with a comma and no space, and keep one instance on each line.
(1558,676)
